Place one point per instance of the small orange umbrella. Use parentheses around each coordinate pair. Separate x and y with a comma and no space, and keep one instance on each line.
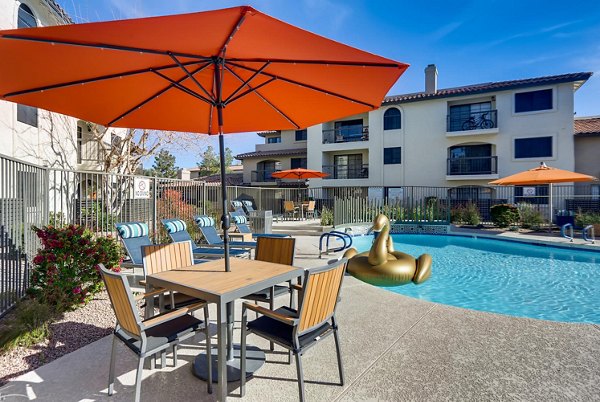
(299,174)
(543,175)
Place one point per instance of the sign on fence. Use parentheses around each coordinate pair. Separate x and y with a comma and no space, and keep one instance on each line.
(141,188)
(528,191)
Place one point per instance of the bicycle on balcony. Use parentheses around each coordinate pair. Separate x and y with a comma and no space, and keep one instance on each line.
(482,122)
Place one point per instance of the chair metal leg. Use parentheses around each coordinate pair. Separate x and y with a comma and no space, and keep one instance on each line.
(111,370)
(339,355)
(138,379)
(174,355)
(163,359)
(243,353)
(300,376)
(208,350)
(272,307)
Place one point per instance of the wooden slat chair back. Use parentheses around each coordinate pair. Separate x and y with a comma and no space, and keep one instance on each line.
(279,250)
(123,303)
(165,257)
(320,295)
(311,206)
(289,206)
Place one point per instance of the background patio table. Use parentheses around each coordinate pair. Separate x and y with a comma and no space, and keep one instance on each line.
(209,281)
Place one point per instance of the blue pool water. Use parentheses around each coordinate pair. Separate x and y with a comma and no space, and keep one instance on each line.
(504,277)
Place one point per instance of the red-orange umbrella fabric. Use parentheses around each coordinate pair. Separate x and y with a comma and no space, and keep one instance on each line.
(299,174)
(543,175)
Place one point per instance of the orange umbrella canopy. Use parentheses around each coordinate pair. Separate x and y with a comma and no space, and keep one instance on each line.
(299,173)
(543,175)
(175,73)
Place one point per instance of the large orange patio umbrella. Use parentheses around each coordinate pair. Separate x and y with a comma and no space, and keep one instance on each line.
(222,71)
(299,173)
(543,175)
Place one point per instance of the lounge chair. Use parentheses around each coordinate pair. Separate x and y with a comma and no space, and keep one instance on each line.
(241,223)
(299,330)
(206,224)
(177,231)
(238,207)
(150,336)
(247,204)
(134,236)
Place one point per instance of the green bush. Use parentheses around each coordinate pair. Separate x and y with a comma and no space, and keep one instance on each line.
(530,216)
(26,325)
(583,219)
(467,214)
(326,217)
(66,271)
(504,215)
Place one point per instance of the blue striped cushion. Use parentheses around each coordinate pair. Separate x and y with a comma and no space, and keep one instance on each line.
(247,203)
(176,225)
(133,229)
(236,204)
(204,221)
(239,219)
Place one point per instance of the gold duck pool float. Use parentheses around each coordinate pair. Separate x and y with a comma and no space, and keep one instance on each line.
(382,266)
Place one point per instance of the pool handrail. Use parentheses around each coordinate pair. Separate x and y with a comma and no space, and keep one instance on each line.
(564,228)
(584,234)
(334,233)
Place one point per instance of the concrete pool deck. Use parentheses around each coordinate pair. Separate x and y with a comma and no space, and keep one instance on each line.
(393,347)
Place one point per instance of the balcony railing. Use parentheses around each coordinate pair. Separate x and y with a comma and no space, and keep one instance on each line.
(466,121)
(346,134)
(472,166)
(263,176)
(346,171)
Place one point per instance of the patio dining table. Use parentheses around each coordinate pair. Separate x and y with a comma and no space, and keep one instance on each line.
(209,281)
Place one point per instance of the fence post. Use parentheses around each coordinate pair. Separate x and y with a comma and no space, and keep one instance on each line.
(46,195)
(204,198)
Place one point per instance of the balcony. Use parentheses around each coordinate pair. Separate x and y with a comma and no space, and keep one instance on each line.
(346,171)
(481,165)
(263,176)
(346,134)
(472,121)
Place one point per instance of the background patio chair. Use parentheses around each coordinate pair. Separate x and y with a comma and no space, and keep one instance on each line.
(299,330)
(241,223)
(206,224)
(238,207)
(133,235)
(310,210)
(247,204)
(177,231)
(148,337)
(290,209)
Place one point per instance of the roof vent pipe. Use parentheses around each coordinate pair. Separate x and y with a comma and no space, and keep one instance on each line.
(431,74)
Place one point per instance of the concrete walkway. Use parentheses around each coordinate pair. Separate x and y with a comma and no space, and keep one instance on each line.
(394,348)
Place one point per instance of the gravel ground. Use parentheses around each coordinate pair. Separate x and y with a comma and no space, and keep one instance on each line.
(76,329)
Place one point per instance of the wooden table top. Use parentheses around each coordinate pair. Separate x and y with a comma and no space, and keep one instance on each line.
(209,280)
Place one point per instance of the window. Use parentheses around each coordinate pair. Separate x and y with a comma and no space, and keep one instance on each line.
(349,167)
(471,116)
(79,144)
(471,159)
(301,135)
(392,156)
(26,114)
(273,140)
(392,119)
(349,129)
(536,147)
(533,100)
(299,163)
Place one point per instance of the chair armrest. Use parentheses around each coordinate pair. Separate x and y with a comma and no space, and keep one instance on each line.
(142,282)
(297,287)
(155,292)
(270,313)
(160,319)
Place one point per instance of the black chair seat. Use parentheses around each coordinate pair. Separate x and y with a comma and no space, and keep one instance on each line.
(283,333)
(181,300)
(264,295)
(162,334)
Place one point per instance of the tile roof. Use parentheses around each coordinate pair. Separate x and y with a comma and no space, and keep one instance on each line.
(489,87)
(587,126)
(278,152)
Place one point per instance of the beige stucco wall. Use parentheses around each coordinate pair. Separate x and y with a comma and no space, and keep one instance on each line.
(587,155)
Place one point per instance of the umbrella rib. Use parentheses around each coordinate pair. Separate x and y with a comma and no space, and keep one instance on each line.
(184,89)
(233,32)
(263,98)
(320,62)
(249,91)
(191,76)
(314,88)
(156,95)
(95,79)
(232,96)
(104,46)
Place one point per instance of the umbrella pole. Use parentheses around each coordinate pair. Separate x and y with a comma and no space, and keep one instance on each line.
(550,205)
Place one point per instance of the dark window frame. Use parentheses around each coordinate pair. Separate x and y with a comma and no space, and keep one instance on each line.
(26,19)
(392,156)
(392,119)
(303,135)
(294,164)
(534,101)
(529,152)
(273,140)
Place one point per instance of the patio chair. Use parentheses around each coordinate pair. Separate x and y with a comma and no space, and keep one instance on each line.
(310,210)
(241,223)
(290,209)
(133,235)
(238,207)
(206,224)
(147,337)
(177,231)
(299,330)
(247,204)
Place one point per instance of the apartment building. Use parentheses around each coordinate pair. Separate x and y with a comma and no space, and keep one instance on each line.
(281,150)
(456,137)
(587,147)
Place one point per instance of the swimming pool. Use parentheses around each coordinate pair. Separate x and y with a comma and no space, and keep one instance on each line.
(518,279)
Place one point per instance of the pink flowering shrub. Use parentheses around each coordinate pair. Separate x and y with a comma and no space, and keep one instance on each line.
(66,271)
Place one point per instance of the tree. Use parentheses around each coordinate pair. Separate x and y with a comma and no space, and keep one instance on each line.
(164,165)
(211,162)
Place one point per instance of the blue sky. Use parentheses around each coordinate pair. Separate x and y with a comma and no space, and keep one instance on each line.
(469,41)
